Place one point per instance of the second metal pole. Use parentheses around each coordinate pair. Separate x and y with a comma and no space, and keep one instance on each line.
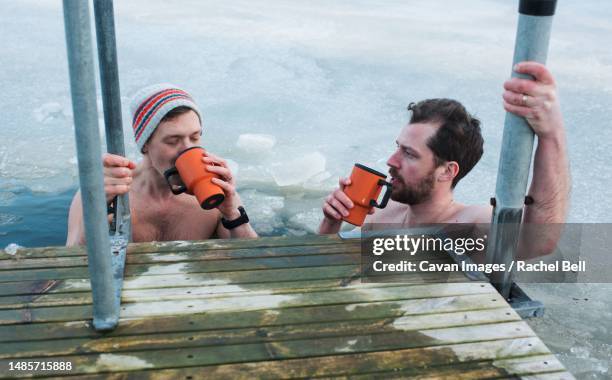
(120,229)
(533,35)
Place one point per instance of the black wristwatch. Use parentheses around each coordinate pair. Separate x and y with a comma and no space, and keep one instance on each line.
(242,219)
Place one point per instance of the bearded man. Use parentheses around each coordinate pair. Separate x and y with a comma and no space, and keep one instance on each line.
(442,143)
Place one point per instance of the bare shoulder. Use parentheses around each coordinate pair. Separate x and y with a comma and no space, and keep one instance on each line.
(474,214)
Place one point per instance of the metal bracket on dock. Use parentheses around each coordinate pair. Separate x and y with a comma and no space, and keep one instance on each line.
(523,304)
(118,245)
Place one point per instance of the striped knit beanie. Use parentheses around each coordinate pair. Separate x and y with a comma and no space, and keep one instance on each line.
(152,103)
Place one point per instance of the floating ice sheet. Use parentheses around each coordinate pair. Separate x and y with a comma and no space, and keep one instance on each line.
(48,112)
(6,219)
(12,249)
(308,220)
(255,143)
(264,210)
(298,170)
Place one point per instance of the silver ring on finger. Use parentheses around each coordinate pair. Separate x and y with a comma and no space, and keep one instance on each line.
(524,100)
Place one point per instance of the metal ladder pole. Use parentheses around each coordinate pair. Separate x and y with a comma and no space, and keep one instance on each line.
(120,229)
(533,35)
(83,91)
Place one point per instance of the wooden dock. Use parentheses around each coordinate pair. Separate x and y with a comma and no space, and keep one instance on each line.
(282,307)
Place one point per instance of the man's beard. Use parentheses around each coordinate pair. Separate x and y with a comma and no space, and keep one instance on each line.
(413,194)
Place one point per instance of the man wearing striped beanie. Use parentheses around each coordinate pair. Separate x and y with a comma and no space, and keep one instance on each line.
(166,121)
(151,104)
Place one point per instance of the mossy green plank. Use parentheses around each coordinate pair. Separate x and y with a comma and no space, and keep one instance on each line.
(52,262)
(262,242)
(339,275)
(195,245)
(180,280)
(243,302)
(185,256)
(400,325)
(549,376)
(215,287)
(417,310)
(211,266)
(287,368)
(322,351)
(489,369)
(200,266)
(416,297)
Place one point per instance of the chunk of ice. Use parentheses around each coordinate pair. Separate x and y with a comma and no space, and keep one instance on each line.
(48,112)
(255,143)
(12,249)
(264,210)
(307,221)
(298,170)
(6,219)
(255,174)
(6,198)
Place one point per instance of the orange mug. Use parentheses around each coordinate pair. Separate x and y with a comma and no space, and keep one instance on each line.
(194,178)
(364,190)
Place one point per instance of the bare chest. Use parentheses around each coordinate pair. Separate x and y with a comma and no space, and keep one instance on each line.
(176,219)
(398,215)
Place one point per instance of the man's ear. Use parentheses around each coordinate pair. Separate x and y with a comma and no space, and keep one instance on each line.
(145,148)
(449,171)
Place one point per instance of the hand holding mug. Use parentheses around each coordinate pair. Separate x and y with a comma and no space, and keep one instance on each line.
(226,181)
(357,196)
(208,177)
(337,204)
(191,175)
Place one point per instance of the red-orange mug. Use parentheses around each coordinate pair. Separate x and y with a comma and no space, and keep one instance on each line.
(194,178)
(364,190)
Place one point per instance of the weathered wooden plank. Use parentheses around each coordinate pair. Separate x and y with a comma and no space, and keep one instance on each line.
(498,369)
(197,256)
(53,262)
(191,255)
(350,294)
(166,277)
(211,266)
(206,288)
(183,245)
(342,274)
(298,315)
(161,280)
(549,376)
(198,267)
(283,369)
(413,297)
(54,251)
(262,242)
(398,325)
(354,359)
(531,365)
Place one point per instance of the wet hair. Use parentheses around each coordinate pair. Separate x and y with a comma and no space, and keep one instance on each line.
(458,137)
